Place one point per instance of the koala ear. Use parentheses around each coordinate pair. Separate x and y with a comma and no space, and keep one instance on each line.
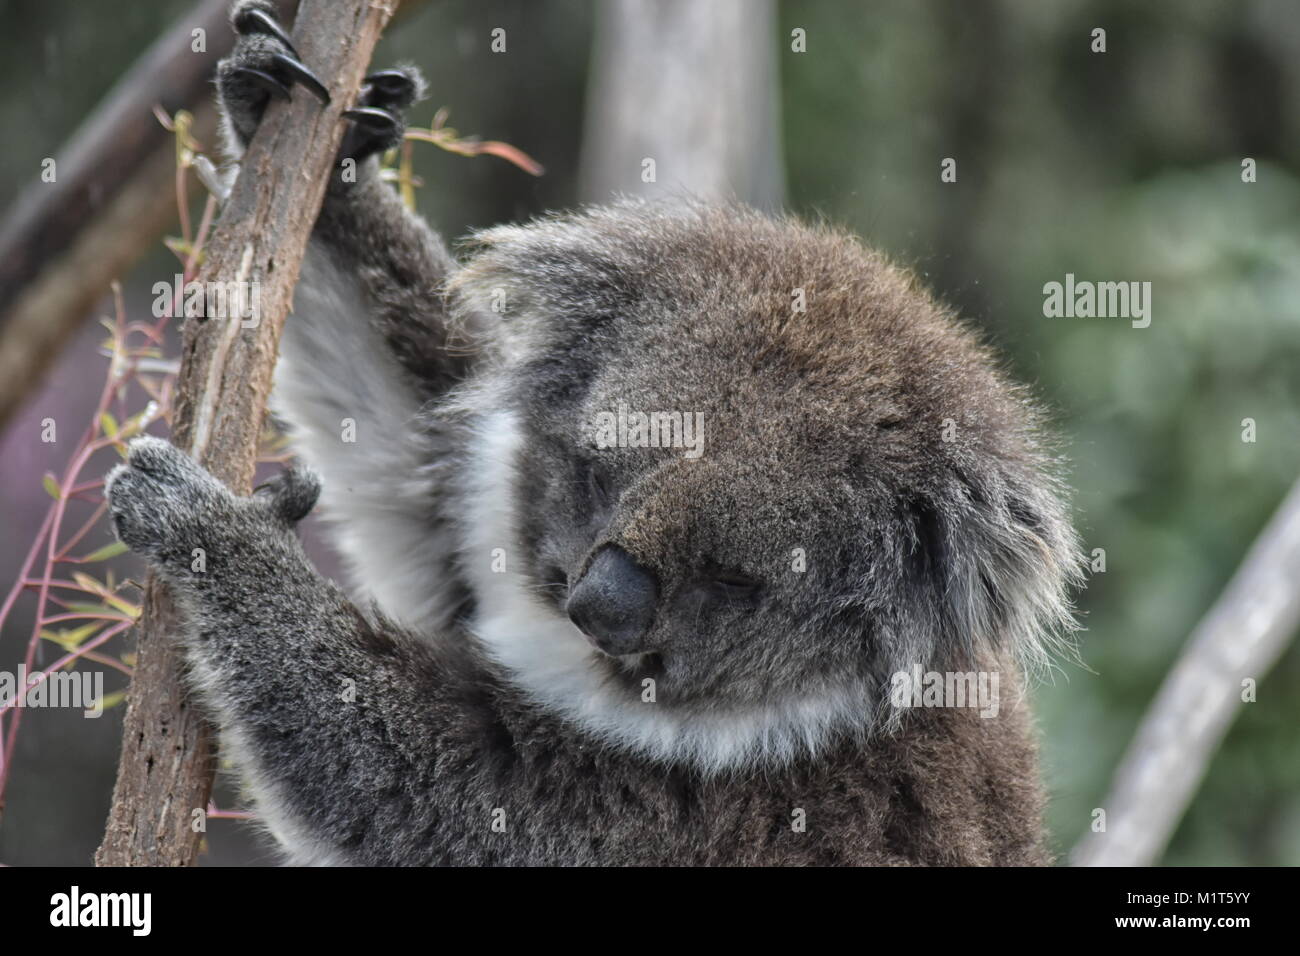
(990,573)
(573,273)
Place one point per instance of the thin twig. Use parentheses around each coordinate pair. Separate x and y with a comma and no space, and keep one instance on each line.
(1227,656)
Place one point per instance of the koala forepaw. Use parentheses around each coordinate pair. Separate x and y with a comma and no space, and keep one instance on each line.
(379,117)
(161,498)
(262,66)
(164,505)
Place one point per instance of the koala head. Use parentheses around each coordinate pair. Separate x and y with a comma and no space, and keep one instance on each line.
(752,468)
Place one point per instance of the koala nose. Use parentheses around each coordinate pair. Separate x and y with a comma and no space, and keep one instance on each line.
(614,602)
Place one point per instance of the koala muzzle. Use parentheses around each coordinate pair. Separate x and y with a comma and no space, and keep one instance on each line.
(613,603)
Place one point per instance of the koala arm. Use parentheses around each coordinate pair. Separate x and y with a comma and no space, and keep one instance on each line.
(369,342)
(335,718)
(377,268)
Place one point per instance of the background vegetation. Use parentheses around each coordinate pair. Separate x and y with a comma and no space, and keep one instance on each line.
(1122,166)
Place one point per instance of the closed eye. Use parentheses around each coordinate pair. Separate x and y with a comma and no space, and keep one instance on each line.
(735,588)
(595,487)
(598,487)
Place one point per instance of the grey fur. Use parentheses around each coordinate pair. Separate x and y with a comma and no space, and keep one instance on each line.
(464,719)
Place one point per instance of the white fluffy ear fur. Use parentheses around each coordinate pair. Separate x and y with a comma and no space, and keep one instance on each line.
(554,663)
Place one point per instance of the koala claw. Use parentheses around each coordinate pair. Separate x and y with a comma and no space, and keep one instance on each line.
(259,17)
(295,68)
(377,118)
(265,80)
(262,66)
(399,87)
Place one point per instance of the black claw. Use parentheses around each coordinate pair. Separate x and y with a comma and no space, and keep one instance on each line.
(304,76)
(253,20)
(372,118)
(391,84)
(265,80)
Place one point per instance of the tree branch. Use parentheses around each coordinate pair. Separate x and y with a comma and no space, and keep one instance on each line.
(165,770)
(63,242)
(1241,637)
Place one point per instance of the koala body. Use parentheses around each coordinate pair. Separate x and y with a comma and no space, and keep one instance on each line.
(567,652)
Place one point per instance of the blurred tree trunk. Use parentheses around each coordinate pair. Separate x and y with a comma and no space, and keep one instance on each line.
(692,86)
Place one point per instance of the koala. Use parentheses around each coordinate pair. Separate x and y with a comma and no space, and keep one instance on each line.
(570,638)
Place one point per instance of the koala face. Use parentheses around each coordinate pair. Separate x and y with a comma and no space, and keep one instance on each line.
(693,572)
(853,488)
(705,567)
